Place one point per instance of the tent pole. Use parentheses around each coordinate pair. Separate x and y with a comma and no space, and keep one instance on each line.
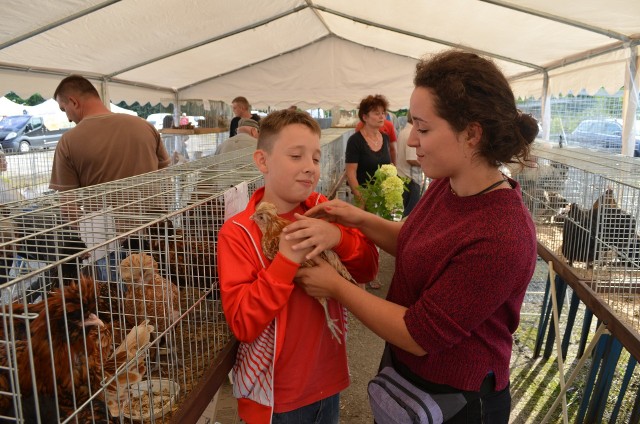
(545,105)
(104,93)
(630,102)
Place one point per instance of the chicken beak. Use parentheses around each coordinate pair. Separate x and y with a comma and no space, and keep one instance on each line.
(93,320)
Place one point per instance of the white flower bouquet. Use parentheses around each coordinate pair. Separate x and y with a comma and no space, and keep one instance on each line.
(382,194)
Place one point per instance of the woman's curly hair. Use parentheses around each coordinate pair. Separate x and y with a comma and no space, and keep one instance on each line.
(469,88)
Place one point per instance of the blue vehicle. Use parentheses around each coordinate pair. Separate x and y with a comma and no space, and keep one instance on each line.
(602,134)
(25,132)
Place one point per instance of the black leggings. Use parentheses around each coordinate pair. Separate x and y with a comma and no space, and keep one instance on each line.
(492,408)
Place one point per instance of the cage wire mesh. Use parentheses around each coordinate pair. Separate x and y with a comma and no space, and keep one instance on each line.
(585,205)
(109,305)
(26,175)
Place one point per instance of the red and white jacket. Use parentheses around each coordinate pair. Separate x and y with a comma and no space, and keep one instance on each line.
(255,294)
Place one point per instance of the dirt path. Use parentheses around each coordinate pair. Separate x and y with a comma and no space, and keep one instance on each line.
(364,349)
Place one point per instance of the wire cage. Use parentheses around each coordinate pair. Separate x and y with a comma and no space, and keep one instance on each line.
(109,304)
(585,205)
(26,175)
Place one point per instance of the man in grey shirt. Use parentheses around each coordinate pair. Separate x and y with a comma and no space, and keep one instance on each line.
(247,136)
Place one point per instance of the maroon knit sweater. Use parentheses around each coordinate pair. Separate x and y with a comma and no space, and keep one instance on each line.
(462,268)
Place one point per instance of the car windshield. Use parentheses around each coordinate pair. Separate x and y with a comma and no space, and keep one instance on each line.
(13,123)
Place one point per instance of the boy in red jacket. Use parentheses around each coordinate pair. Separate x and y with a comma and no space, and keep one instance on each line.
(288,368)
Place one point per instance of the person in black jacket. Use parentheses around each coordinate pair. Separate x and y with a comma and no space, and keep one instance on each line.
(241,109)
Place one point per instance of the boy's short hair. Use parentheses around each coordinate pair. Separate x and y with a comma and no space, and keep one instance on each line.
(272,124)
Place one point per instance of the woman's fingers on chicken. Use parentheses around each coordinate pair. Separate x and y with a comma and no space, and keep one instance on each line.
(338,211)
(311,232)
(318,280)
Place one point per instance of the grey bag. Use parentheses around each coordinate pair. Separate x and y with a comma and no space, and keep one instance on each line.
(395,400)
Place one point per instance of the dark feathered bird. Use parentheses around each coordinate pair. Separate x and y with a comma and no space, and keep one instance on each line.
(578,242)
(616,229)
(64,341)
(605,227)
(180,258)
(271,225)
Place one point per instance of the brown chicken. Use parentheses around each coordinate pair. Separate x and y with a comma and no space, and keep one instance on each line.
(271,225)
(62,333)
(150,296)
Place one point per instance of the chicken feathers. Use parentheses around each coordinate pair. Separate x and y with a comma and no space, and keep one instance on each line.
(271,225)
(127,354)
(150,296)
(62,367)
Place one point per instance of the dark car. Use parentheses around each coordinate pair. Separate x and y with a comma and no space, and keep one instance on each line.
(603,134)
(26,132)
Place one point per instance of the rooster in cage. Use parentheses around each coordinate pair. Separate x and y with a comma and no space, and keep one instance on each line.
(616,228)
(58,334)
(271,225)
(589,232)
(578,242)
(75,373)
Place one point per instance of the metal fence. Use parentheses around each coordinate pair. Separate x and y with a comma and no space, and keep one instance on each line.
(591,121)
(585,205)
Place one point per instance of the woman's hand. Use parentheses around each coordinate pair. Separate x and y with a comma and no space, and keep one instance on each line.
(320,280)
(306,233)
(339,211)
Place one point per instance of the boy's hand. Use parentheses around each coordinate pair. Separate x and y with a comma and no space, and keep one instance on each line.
(286,248)
(311,233)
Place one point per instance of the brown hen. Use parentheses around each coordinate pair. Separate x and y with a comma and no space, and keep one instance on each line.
(271,225)
(66,322)
(150,296)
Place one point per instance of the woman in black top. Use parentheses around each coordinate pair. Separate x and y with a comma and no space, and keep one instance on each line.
(368,148)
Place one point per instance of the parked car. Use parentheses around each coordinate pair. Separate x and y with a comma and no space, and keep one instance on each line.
(26,132)
(602,134)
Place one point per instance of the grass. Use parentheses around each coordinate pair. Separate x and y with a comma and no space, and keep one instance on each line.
(535,382)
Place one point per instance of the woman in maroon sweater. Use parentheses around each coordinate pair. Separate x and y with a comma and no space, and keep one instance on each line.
(466,253)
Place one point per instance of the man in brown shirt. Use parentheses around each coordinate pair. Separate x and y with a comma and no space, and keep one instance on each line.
(104,146)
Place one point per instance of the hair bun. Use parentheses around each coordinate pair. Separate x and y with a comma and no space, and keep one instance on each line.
(528,126)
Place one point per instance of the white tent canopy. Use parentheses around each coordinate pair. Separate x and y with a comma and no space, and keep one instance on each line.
(48,107)
(309,52)
(8,107)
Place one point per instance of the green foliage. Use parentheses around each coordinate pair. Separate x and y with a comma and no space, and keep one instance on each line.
(34,99)
(146,109)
